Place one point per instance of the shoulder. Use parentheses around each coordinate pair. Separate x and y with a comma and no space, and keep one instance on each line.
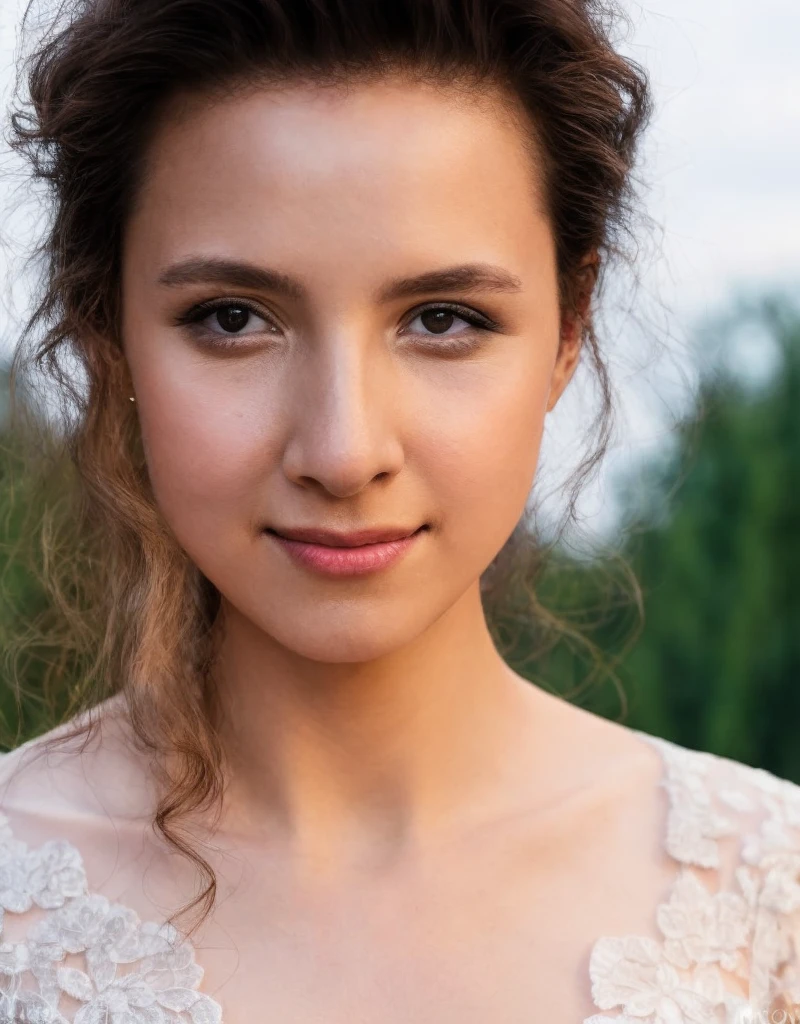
(50,816)
(85,769)
(725,941)
(76,800)
(69,949)
(714,798)
(40,869)
(742,824)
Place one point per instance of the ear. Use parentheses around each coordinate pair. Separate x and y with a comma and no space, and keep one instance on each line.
(573,322)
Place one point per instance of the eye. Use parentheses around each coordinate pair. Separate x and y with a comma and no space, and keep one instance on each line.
(452,321)
(234,319)
(227,319)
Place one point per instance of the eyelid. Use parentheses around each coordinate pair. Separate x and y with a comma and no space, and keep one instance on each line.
(468,313)
(201,310)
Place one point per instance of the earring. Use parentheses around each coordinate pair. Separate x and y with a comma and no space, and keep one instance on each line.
(132,399)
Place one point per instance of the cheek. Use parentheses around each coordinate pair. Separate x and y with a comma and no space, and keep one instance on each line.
(482,455)
(206,442)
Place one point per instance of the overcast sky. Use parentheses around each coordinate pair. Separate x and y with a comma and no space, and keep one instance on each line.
(722,162)
(724,150)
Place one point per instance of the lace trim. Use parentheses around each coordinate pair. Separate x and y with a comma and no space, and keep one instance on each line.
(161,980)
(749,930)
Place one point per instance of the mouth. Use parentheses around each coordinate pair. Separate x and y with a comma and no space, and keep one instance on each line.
(354,539)
(333,557)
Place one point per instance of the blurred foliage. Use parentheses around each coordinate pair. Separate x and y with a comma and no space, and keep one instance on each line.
(26,611)
(719,660)
(714,544)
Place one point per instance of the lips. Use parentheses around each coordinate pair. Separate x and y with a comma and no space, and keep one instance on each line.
(358,538)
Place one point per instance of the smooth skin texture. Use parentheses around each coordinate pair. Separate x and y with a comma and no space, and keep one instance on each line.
(411,831)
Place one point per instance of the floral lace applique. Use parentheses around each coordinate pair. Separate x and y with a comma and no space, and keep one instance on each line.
(708,939)
(159,985)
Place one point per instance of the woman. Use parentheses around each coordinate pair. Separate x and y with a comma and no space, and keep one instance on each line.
(326,267)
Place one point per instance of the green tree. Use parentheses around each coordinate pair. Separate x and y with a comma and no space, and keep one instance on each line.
(717,550)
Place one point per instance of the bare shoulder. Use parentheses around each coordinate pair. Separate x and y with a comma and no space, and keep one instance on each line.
(60,778)
(721,813)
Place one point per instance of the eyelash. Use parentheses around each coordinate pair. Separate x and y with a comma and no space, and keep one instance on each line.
(202,310)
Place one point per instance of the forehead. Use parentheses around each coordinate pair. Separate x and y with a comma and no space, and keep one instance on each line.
(394,161)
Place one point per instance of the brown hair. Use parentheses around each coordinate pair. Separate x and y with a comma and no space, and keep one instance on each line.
(131,614)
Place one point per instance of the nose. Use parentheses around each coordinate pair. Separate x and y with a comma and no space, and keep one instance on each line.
(344,418)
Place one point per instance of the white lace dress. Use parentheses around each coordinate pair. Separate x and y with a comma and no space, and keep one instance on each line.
(724,954)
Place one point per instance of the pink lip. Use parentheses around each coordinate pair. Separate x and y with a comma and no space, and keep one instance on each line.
(335,539)
(347,561)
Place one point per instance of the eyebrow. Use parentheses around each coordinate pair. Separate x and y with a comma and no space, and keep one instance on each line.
(220,270)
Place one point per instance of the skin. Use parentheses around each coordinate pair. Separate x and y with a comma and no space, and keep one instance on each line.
(381,754)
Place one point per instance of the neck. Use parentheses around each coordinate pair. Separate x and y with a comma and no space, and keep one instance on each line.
(352,761)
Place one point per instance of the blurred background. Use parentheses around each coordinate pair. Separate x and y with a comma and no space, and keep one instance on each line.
(698,498)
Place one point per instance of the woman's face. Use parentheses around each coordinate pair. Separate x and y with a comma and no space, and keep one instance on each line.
(340,310)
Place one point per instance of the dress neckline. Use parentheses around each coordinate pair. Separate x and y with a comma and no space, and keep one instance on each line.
(145,944)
